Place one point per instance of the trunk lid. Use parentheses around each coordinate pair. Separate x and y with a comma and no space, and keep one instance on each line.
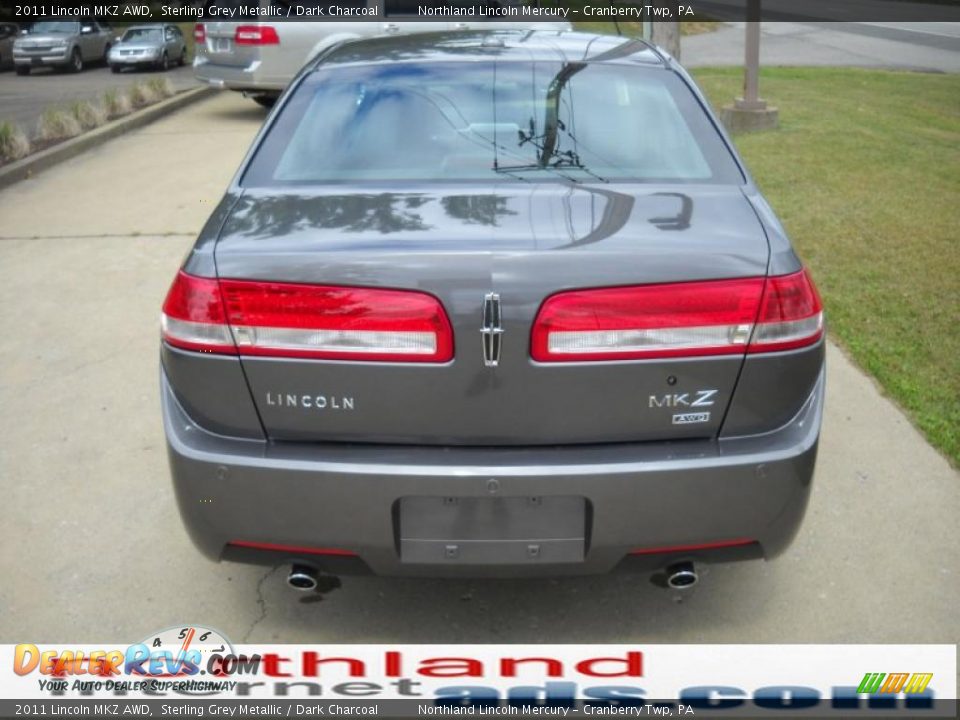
(524,242)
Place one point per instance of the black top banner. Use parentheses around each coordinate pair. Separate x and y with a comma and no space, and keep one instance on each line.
(451,11)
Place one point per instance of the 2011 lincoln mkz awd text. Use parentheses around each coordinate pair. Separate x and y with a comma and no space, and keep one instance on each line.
(501,303)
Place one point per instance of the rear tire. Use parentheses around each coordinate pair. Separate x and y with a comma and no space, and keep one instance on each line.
(23,70)
(106,55)
(183,58)
(165,63)
(76,61)
(267,101)
(114,68)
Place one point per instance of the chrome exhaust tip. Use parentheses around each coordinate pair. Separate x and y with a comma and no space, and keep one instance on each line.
(682,576)
(302,578)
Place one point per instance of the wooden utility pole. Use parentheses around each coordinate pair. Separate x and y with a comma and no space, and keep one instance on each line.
(750,111)
(666,34)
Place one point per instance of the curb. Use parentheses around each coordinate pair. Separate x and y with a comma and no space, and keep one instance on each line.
(33,164)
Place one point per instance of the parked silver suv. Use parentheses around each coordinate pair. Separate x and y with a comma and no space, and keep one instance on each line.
(261,58)
(63,44)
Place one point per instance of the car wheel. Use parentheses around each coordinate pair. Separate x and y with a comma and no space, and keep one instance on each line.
(164,62)
(23,70)
(115,68)
(76,61)
(267,101)
(106,54)
(183,57)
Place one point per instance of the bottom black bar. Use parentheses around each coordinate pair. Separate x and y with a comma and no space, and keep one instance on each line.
(918,707)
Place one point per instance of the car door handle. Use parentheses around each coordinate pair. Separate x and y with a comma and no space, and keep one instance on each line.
(460,26)
(391,28)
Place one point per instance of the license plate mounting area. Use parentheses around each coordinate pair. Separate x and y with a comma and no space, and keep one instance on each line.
(492,530)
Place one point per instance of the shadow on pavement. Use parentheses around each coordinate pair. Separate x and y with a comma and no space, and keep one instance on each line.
(606,609)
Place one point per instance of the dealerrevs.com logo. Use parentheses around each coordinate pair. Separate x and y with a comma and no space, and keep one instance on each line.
(163,660)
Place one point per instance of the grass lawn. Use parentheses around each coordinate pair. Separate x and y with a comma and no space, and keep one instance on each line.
(864,172)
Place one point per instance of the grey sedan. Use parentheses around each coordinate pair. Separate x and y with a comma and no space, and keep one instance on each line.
(493,304)
(157,46)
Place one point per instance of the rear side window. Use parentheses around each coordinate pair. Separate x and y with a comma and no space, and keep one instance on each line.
(482,121)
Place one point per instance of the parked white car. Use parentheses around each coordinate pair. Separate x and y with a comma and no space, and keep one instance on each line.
(260,59)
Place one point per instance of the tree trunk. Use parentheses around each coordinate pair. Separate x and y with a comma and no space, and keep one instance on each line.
(666,34)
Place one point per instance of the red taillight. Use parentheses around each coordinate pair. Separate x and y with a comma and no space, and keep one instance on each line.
(647,321)
(256,35)
(308,321)
(200,33)
(791,314)
(715,317)
(193,316)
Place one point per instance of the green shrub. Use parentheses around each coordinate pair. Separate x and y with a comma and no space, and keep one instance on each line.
(57,124)
(161,87)
(14,143)
(89,115)
(116,103)
(142,95)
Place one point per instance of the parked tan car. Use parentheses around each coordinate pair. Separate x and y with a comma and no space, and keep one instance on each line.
(261,58)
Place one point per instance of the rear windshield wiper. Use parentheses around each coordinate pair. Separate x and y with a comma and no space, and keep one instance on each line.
(560,161)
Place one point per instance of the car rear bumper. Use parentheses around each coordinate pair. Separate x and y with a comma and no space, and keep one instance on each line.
(646,504)
(248,78)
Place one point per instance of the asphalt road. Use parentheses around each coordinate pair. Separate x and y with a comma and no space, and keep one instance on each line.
(24,98)
(927,47)
(91,544)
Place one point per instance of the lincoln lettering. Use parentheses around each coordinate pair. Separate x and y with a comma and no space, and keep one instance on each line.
(309,402)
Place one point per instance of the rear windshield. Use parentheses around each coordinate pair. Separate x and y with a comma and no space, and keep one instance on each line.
(45,28)
(484,121)
(141,35)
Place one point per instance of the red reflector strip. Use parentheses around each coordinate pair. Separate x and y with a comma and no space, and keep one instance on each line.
(690,548)
(293,549)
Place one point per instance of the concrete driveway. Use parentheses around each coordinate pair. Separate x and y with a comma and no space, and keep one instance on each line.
(93,549)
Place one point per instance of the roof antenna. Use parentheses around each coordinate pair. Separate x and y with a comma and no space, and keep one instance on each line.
(617,26)
(496,149)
